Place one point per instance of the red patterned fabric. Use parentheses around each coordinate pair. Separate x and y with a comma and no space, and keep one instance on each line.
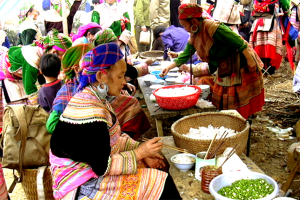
(189,10)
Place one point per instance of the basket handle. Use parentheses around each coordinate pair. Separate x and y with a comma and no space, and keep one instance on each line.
(40,183)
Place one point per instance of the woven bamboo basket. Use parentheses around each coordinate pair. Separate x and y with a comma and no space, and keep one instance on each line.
(29,184)
(152,54)
(216,119)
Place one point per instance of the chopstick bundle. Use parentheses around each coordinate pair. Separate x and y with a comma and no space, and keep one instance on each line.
(233,150)
(213,140)
(219,143)
(170,147)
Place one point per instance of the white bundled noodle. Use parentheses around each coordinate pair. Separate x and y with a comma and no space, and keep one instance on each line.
(209,132)
(176,92)
(184,159)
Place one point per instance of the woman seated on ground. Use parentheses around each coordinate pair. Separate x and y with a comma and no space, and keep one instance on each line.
(132,118)
(119,170)
(238,84)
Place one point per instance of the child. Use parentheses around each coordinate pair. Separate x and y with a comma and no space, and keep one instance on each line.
(50,67)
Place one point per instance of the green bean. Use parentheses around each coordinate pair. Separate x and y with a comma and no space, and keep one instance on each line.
(247,189)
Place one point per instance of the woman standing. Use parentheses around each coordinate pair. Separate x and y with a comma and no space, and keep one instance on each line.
(122,168)
(238,84)
(53,18)
(112,14)
(28,30)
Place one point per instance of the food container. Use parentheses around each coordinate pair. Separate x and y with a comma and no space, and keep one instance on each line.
(184,161)
(209,172)
(170,81)
(173,74)
(178,102)
(158,55)
(147,79)
(157,74)
(157,82)
(227,179)
(205,91)
(201,162)
(216,119)
(155,87)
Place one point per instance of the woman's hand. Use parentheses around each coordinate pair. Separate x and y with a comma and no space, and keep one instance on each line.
(131,88)
(148,149)
(185,68)
(149,61)
(155,162)
(165,71)
(172,54)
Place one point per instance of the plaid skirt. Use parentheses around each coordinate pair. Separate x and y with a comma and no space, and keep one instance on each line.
(268,46)
(3,190)
(247,98)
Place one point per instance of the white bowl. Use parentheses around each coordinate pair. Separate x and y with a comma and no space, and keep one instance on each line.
(175,69)
(154,87)
(173,74)
(170,80)
(184,167)
(147,82)
(157,82)
(227,179)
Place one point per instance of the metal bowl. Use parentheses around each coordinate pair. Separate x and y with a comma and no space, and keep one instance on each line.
(158,55)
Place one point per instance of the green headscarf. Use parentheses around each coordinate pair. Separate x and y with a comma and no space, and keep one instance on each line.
(56,40)
(24,10)
(72,58)
(104,36)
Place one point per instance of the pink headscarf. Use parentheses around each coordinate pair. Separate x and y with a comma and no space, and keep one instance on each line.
(82,30)
(103,1)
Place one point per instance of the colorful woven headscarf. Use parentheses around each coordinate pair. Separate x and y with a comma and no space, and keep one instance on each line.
(83,29)
(189,11)
(24,10)
(56,40)
(57,5)
(72,58)
(104,36)
(101,58)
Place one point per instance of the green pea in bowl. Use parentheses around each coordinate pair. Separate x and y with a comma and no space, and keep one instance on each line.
(243,185)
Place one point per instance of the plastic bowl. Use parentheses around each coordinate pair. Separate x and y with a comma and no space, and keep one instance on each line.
(184,167)
(227,179)
(157,82)
(157,73)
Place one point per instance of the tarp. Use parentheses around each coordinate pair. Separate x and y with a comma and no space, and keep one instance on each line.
(10,8)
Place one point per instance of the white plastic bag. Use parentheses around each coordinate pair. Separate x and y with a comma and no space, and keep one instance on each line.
(145,37)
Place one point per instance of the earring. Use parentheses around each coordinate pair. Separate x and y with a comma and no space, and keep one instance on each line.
(102,91)
(193,27)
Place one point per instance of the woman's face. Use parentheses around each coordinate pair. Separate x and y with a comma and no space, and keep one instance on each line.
(116,78)
(110,1)
(185,24)
(34,13)
(58,53)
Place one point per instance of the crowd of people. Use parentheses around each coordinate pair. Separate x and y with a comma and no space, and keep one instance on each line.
(83,79)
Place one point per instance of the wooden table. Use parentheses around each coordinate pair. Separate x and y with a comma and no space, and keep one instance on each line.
(161,114)
(187,185)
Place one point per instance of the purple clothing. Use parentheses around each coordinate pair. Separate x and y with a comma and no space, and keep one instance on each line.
(174,38)
(48,93)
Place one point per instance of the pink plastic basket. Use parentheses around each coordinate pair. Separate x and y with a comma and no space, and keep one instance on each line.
(177,103)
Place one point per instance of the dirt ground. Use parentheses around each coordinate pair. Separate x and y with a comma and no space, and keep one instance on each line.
(282,109)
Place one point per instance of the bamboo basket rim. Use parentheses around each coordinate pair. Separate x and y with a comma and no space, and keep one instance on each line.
(208,113)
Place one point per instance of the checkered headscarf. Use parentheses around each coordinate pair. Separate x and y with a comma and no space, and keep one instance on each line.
(100,58)
(24,10)
(189,11)
(72,58)
(54,39)
(103,37)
